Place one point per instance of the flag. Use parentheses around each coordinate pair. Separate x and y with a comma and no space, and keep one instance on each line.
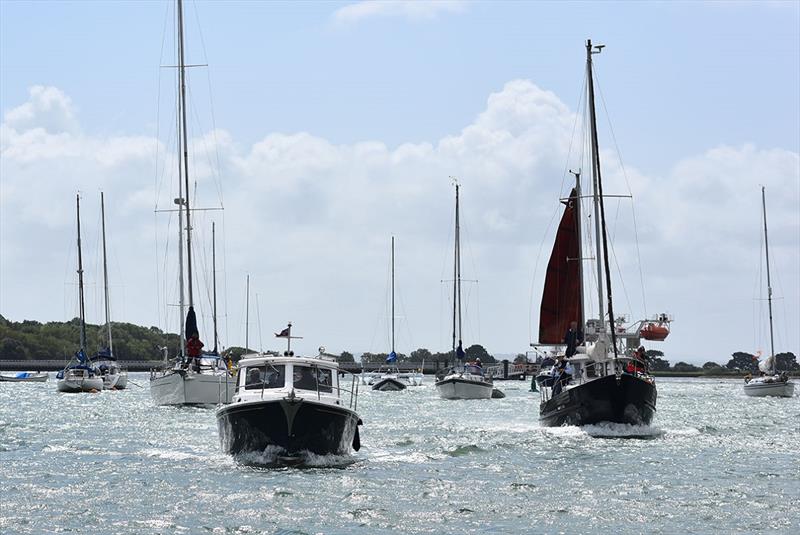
(81,356)
(284,333)
(392,357)
(460,351)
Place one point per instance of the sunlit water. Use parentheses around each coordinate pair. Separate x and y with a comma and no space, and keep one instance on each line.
(714,461)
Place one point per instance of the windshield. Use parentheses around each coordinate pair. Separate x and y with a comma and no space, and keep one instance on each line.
(270,376)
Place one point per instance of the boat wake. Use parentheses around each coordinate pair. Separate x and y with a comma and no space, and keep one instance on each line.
(617,430)
(276,457)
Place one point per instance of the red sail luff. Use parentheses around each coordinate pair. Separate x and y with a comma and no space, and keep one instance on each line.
(561,298)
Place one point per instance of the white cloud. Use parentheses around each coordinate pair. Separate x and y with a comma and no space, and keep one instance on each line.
(407,9)
(311,220)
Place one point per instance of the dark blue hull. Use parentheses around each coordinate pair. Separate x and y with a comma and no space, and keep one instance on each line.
(293,425)
(628,399)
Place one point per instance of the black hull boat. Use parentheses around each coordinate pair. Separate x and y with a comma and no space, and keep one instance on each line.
(389,384)
(293,424)
(626,399)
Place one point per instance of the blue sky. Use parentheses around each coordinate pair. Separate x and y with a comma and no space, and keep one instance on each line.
(704,99)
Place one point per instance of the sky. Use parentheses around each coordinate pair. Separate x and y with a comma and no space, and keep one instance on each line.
(324,128)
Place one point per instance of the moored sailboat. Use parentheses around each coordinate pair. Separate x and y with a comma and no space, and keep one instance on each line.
(78,375)
(597,378)
(389,380)
(770,383)
(461,381)
(105,362)
(195,378)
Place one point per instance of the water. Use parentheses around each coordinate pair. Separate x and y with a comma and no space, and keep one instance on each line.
(713,461)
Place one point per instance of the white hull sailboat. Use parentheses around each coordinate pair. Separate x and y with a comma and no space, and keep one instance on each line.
(105,362)
(461,382)
(25,377)
(79,376)
(770,383)
(195,378)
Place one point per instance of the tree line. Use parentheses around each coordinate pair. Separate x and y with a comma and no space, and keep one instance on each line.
(32,340)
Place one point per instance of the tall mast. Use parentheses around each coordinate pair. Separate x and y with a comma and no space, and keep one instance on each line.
(577,208)
(392,294)
(769,283)
(105,273)
(595,183)
(457,281)
(81,306)
(182,76)
(600,226)
(214,280)
(247,314)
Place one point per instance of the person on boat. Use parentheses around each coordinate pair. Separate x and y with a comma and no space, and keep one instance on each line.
(253,377)
(573,338)
(747,377)
(194,349)
(478,363)
(564,370)
(638,363)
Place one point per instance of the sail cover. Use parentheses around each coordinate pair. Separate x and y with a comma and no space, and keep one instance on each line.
(766,364)
(561,298)
(191,324)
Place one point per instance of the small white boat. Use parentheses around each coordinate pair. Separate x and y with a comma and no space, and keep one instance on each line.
(78,378)
(25,377)
(468,383)
(771,383)
(389,382)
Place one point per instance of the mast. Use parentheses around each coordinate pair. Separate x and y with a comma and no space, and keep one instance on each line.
(577,208)
(392,294)
(595,182)
(105,274)
(457,282)
(769,283)
(214,281)
(182,77)
(81,305)
(247,315)
(599,207)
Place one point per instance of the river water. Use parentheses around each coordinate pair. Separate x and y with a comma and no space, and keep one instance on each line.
(714,461)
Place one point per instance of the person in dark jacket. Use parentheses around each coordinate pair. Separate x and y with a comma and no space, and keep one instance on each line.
(573,339)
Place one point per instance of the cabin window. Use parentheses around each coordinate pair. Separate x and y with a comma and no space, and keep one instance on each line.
(268,376)
(312,378)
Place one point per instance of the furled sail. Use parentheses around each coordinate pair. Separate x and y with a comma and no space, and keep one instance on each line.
(766,364)
(561,298)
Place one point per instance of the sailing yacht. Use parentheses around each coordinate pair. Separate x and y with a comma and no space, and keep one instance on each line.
(461,381)
(770,383)
(195,378)
(78,375)
(603,377)
(104,362)
(389,381)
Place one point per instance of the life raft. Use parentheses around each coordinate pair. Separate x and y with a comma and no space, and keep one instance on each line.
(651,331)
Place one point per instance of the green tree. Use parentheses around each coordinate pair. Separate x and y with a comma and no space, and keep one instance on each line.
(477,351)
(685,367)
(786,361)
(421,354)
(742,361)
(657,363)
(711,365)
(346,356)
(520,358)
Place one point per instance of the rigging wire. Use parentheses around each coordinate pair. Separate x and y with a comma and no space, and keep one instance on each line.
(630,190)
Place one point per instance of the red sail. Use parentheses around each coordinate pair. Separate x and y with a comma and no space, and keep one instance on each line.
(561,298)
